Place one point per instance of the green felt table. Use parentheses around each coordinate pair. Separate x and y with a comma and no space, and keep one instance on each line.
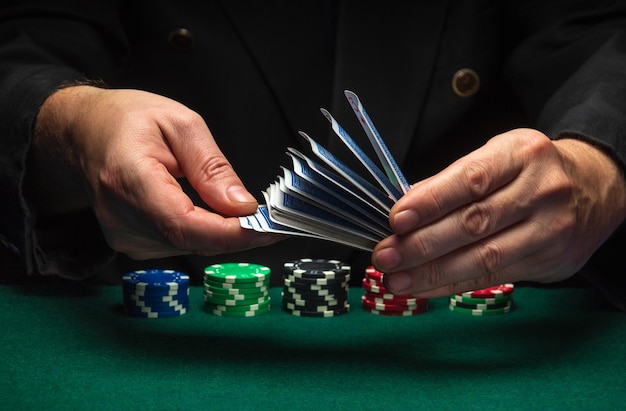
(72,348)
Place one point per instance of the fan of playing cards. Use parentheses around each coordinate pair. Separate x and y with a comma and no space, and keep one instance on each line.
(331,201)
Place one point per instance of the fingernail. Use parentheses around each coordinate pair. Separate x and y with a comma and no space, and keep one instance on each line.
(405,221)
(238,194)
(397,282)
(387,259)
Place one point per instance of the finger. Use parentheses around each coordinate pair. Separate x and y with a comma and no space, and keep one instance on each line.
(511,274)
(462,227)
(206,168)
(505,252)
(465,181)
(161,220)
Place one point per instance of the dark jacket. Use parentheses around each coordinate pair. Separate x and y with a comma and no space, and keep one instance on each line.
(259,71)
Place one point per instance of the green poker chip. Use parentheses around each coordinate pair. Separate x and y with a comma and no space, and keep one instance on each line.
(236,291)
(237,273)
(238,285)
(234,302)
(488,300)
(258,306)
(480,313)
(241,314)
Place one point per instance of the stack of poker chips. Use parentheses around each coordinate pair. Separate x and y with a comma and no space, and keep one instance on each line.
(237,289)
(488,301)
(156,293)
(377,300)
(316,288)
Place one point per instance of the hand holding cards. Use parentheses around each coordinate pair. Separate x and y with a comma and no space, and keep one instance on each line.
(330,201)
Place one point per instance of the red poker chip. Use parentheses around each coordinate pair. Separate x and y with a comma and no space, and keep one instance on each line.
(374,274)
(372,281)
(374,288)
(392,307)
(393,299)
(405,313)
(490,292)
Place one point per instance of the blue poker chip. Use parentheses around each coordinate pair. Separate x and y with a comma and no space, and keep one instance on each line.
(156,298)
(157,304)
(156,314)
(154,309)
(160,279)
(155,293)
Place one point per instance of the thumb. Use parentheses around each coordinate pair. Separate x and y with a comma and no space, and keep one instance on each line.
(209,172)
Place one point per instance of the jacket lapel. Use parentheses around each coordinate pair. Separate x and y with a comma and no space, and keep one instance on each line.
(386,56)
(294,56)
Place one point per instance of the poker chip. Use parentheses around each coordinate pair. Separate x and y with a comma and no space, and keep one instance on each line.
(374,275)
(299,302)
(392,306)
(246,313)
(393,299)
(495,300)
(236,290)
(251,307)
(316,288)
(480,306)
(312,307)
(239,286)
(480,313)
(328,313)
(314,297)
(312,286)
(405,313)
(470,300)
(377,300)
(322,282)
(235,297)
(320,268)
(156,279)
(375,289)
(315,293)
(156,314)
(239,273)
(155,293)
(490,292)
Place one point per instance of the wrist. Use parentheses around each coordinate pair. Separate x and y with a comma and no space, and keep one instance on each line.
(594,170)
(53,183)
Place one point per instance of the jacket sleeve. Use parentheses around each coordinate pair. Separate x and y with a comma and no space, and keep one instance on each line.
(42,46)
(570,74)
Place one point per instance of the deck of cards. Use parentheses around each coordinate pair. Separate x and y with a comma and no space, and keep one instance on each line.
(325,199)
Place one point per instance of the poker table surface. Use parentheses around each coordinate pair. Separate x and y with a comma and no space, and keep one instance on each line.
(71,347)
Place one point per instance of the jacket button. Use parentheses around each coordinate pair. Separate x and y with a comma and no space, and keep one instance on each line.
(465,82)
(181,39)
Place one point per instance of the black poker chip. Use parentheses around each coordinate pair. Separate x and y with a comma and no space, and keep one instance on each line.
(316,288)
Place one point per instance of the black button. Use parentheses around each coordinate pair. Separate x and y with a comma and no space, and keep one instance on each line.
(181,39)
(465,82)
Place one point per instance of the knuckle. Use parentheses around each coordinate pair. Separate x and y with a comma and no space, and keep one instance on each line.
(188,122)
(174,234)
(489,257)
(478,178)
(565,224)
(216,167)
(421,247)
(477,220)
(432,275)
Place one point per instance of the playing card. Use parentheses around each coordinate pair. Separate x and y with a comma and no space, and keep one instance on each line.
(389,163)
(333,202)
(384,182)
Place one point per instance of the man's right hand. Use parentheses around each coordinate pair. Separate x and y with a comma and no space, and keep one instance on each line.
(131,146)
